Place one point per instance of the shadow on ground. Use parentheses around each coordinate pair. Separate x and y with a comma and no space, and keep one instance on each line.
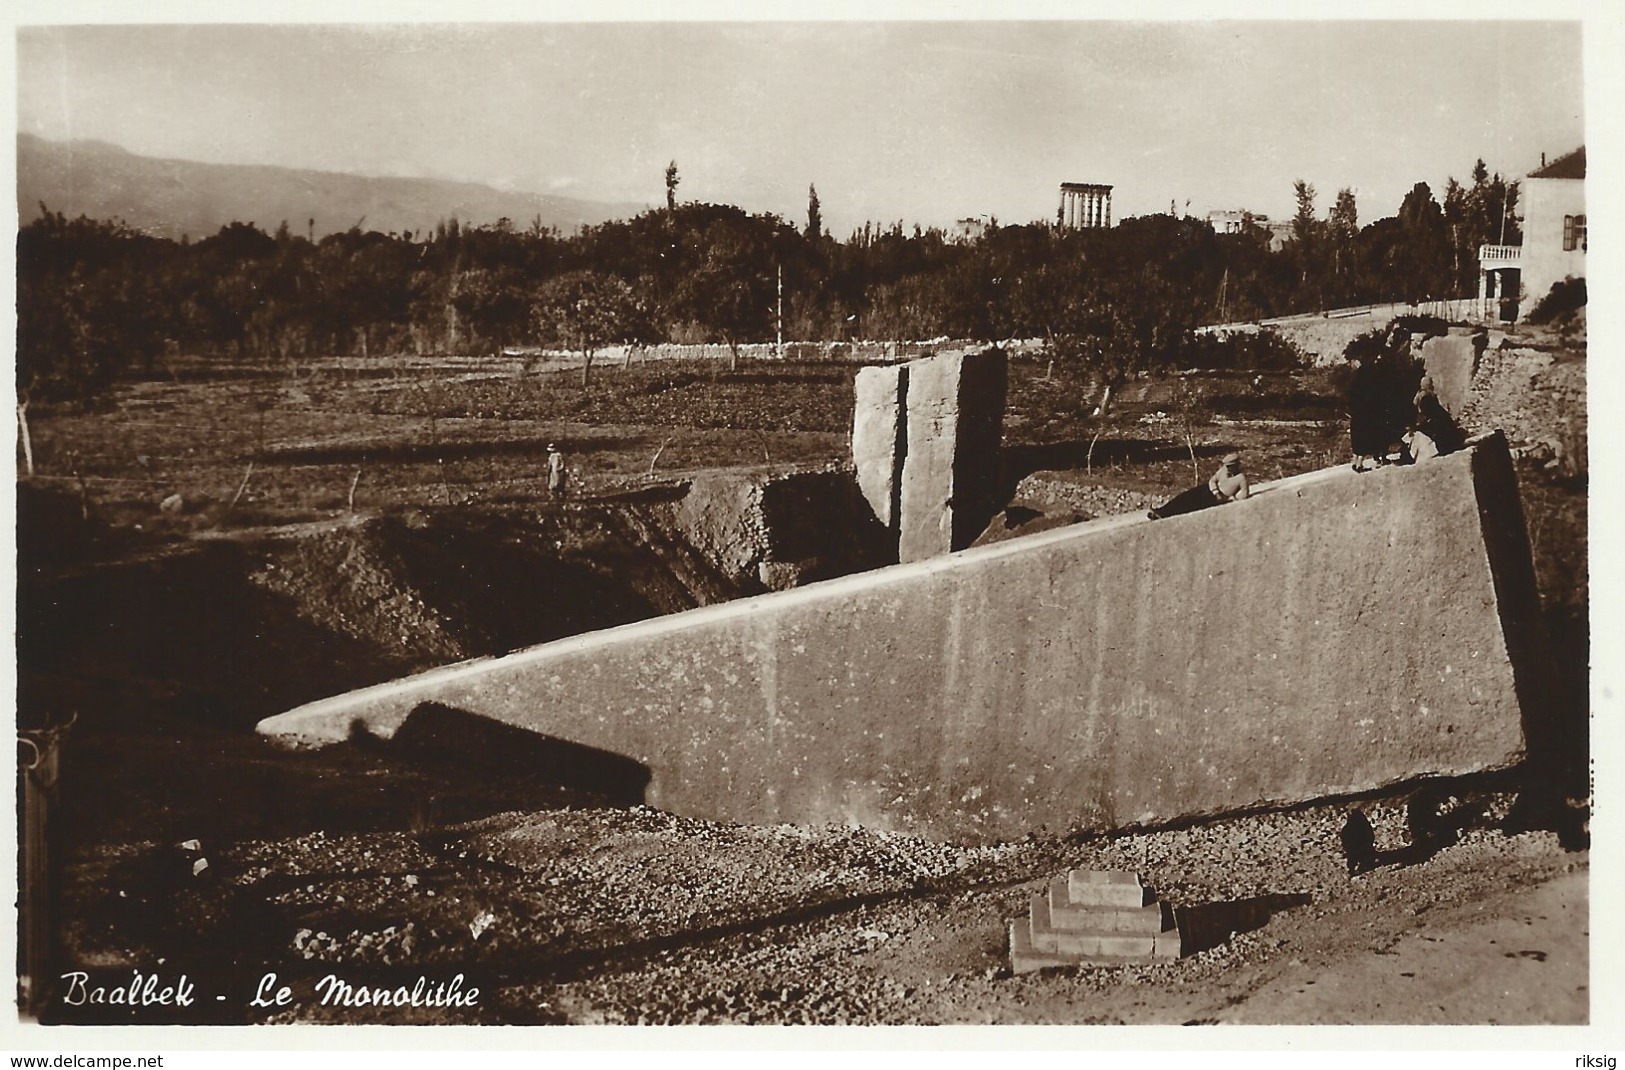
(1210,924)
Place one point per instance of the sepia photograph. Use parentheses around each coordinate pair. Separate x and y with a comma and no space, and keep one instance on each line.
(978,521)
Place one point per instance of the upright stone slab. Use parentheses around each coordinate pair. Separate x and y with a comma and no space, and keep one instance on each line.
(878,423)
(955,407)
(983,385)
(1449,361)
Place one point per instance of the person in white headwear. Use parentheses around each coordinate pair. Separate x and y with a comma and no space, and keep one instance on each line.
(555,471)
(1228,484)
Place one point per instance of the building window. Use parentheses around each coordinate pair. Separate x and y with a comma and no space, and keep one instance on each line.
(1574,233)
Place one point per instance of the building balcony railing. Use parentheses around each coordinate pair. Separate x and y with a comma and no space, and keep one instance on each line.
(1499,256)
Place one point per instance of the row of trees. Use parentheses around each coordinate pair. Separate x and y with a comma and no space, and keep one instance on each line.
(97,299)
(1426,250)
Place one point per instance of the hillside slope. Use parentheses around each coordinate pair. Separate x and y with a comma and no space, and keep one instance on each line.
(172,198)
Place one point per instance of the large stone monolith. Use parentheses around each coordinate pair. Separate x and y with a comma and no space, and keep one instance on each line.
(1335,633)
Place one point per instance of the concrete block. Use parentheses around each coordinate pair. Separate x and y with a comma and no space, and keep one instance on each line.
(1067,914)
(925,510)
(1047,937)
(1146,921)
(1025,958)
(878,426)
(1336,633)
(1066,935)
(1105,888)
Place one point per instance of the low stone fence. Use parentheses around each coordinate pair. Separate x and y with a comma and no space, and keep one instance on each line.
(1324,336)
(862,352)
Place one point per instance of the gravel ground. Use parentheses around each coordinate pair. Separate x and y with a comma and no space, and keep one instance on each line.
(633,916)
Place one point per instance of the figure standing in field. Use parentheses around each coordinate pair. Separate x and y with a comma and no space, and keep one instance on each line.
(556,476)
(1228,484)
(1382,383)
(1367,435)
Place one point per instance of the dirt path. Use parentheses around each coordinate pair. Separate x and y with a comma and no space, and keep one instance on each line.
(1517,959)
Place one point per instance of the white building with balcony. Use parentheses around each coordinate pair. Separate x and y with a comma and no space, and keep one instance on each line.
(1512,279)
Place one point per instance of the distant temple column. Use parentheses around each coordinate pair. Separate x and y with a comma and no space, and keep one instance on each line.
(1085,204)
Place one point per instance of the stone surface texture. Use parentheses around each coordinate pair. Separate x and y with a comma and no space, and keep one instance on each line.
(775,530)
(721,517)
(955,415)
(1335,633)
(877,443)
(1536,400)
(1451,360)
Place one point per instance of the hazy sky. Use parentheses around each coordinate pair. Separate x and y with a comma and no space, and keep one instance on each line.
(921,121)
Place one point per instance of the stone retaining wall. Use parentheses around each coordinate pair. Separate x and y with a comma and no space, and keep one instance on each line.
(860,352)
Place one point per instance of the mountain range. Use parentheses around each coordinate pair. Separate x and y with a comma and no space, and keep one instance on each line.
(176,198)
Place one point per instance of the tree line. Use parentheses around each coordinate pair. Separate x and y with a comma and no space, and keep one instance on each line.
(97,299)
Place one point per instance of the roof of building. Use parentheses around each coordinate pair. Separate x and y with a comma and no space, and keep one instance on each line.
(1571,166)
(1085,186)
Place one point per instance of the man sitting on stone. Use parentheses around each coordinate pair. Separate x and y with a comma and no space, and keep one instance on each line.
(1228,484)
(1434,420)
(1420,447)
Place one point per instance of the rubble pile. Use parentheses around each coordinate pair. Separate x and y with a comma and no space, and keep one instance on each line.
(1537,399)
